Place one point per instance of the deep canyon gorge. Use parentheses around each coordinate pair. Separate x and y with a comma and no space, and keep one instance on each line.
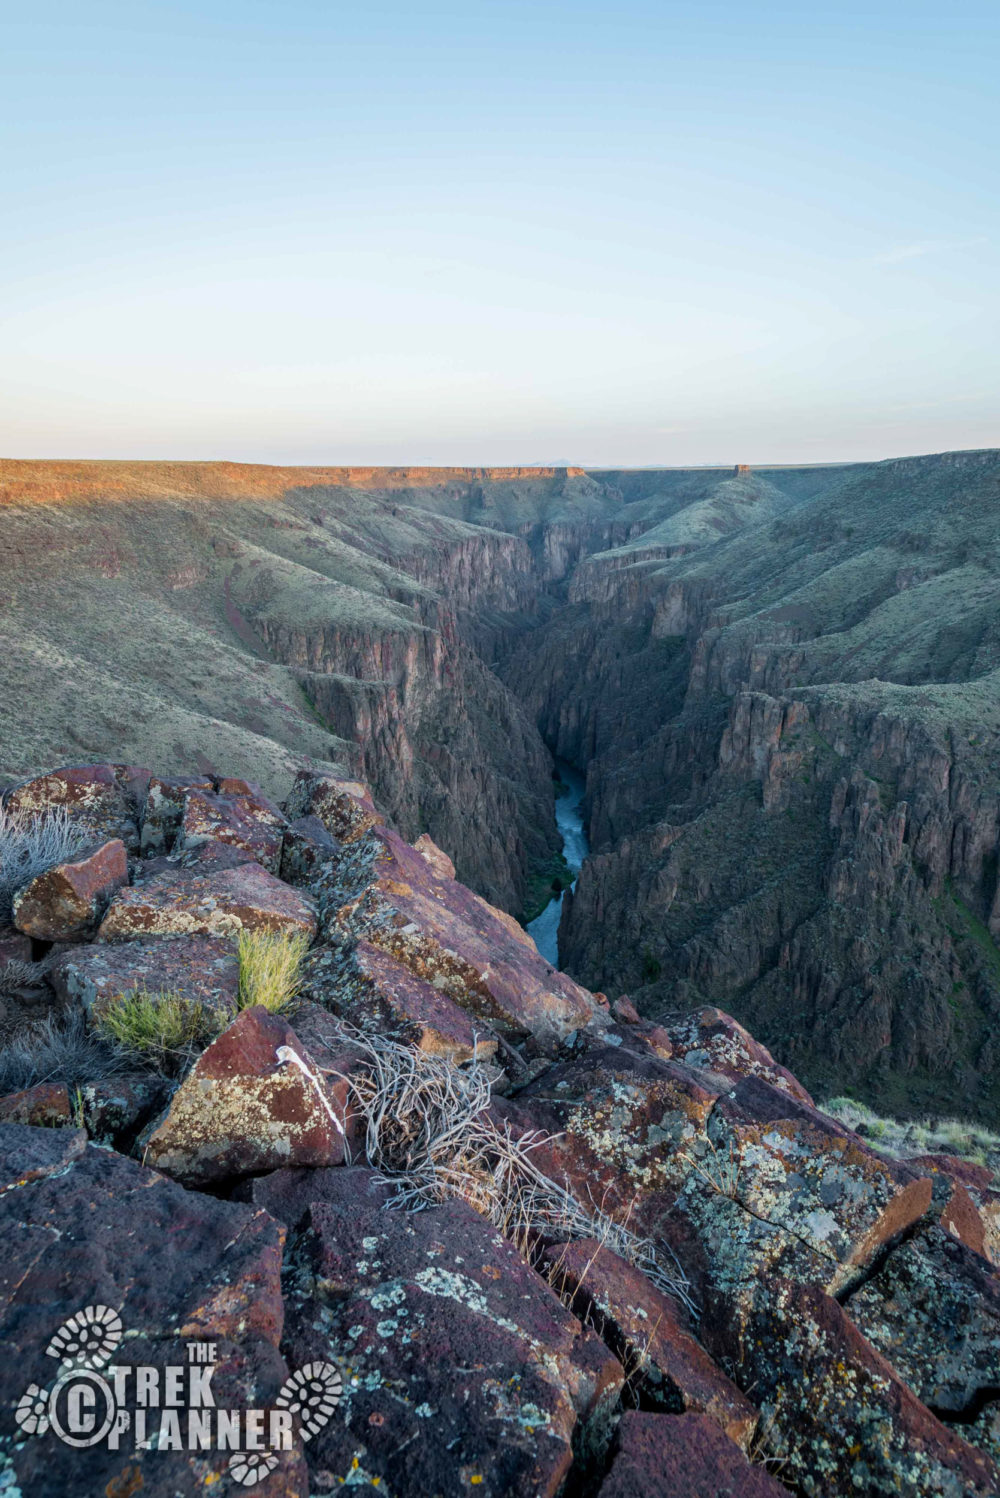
(782,688)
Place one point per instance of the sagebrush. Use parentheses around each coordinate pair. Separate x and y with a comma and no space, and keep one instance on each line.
(32,843)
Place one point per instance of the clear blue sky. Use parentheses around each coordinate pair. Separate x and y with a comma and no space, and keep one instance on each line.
(304,231)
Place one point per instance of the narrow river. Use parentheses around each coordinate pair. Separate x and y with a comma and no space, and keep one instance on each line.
(569,819)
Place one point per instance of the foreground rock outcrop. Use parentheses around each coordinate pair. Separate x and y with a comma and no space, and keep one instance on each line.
(644,1260)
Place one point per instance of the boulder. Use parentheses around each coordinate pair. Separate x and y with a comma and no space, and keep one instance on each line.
(667,1368)
(465,1371)
(305,847)
(187,903)
(476,955)
(84,1227)
(46,1105)
(255,1100)
(66,902)
(344,807)
(839,1414)
(712,1039)
(202,969)
(246,821)
(376,992)
(114,1109)
(101,799)
(435,856)
(685,1456)
(164,808)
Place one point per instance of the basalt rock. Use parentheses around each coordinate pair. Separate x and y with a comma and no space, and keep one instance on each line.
(683,1455)
(185,903)
(201,969)
(66,902)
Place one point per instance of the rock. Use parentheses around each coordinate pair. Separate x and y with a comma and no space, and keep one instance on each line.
(30,1154)
(305,847)
(14,947)
(625,1011)
(100,799)
(971,1212)
(46,1105)
(186,903)
(438,860)
(478,956)
(712,1039)
(645,1329)
(378,993)
(289,1195)
(255,1100)
(97,1229)
(246,821)
(164,809)
(344,807)
(66,902)
(683,1455)
(465,1371)
(115,1108)
(933,1310)
(839,1414)
(201,969)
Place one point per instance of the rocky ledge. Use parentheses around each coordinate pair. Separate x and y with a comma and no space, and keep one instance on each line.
(448,1223)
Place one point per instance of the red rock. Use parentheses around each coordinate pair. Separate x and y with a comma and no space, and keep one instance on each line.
(94,1228)
(46,1106)
(625,1011)
(246,821)
(202,969)
(305,847)
(480,957)
(100,798)
(685,1456)
(15,947)
(840,1413)
(378,993)
(115,1108)
(255,1100)
(971,1212)
(645,1330)
(164,808)
(66,903)
(438,860)
(343,806)
(467,1374)
(185,903)
(712,1039)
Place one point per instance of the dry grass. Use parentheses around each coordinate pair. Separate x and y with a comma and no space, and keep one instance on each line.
(929,1136)
(720,1169)
(163,1030)
(16,974)
(270,969)
(428,1130)
(31,844)
(56,1051)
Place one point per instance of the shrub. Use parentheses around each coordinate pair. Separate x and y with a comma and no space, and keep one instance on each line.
(270,969)
(162,1029)
(30,844)
(56,1050)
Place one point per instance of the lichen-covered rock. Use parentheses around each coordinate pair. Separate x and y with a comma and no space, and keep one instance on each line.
(435,856)
(82,1226)
(305,847)
(839,1415)
(711,1039)
(185,903)
(114,1109)
(669,1370)
(376,992)
(66,902)
(164,808)
(480,957)
(46,1105)
(933,1310)
(971,1211)
(465,1373)
(256,1099)
(201,969)
(344,807)
(246,821)
(685,1456)
(101,800)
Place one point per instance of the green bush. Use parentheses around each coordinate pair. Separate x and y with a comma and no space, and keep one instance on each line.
(270,969)
(162,1029)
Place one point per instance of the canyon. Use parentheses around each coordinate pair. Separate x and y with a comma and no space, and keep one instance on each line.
(781,685)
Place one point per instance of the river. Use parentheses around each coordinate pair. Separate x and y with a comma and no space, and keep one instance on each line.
(544,929)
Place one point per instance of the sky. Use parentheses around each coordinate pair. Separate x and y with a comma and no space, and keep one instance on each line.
(519,231)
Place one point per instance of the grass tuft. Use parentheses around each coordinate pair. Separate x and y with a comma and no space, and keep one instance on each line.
(56,1050)
(162,1029)
(270,969)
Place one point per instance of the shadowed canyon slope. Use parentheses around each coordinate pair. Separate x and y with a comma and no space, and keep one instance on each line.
(783,686)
